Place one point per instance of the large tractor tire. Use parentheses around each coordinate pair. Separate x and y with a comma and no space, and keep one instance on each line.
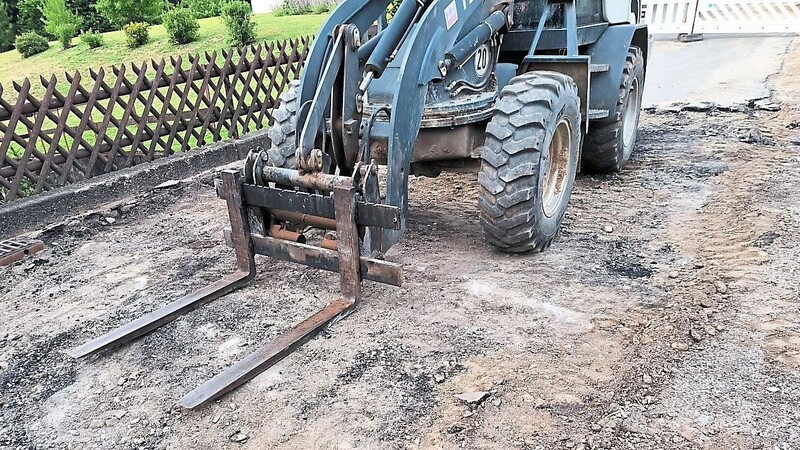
(609,143)
(529,161)
(282,133)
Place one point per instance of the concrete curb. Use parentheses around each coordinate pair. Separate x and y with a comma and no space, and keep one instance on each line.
(54,206)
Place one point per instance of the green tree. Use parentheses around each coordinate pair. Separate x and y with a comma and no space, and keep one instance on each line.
(6,30)
(29,16)
(237,17)
(92,19)
(121,12)
(12,11)
(60,21)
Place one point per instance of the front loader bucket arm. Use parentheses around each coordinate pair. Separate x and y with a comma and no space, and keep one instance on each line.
(406,81)
(360,13)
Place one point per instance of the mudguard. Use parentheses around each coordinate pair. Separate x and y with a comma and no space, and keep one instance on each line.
(612,49)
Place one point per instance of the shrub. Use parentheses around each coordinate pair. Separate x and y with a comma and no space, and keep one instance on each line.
(203,8)
(121,12)
(237,17)
(136,34)
(322,7)
(293,8)
(300,7)
(60,21)
(31,43)
(181,25)
(64,32)
(93,39)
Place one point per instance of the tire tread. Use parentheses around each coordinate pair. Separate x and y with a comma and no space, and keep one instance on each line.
(281,152)
(602,149)
(510,159)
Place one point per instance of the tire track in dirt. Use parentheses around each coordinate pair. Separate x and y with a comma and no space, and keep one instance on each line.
(737,389)
(622,281)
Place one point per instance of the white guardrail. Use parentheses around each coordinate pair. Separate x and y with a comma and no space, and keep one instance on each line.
(721,16)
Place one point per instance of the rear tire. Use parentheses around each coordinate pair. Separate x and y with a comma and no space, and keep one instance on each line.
(529,161)
(281,152)
(609,144)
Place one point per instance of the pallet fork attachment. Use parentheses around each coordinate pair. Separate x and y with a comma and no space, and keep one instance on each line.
(245,203)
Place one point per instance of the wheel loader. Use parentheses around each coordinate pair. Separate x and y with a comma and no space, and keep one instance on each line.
(523,92)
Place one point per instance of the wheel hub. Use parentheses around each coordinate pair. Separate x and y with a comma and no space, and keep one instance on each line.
(630,118)
(555,177)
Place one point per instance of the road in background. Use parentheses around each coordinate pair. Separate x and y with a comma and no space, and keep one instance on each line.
(723,70)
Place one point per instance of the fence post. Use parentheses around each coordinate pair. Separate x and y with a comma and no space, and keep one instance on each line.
(692,36)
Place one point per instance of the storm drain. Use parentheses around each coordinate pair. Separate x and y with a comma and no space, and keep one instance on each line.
(13,250)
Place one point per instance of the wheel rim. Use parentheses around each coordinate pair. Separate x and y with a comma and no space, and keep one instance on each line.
(630,119)
(555,178)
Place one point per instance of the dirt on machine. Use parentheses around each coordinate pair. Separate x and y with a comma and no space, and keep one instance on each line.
(525,93)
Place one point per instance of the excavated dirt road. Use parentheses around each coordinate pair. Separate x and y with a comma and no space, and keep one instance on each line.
(664,316)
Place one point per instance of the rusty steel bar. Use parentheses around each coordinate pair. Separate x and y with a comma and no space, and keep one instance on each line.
(231,191)
(321,258)
(347,239)
(320,181)
(162,316)
(13,250)
(314,221)
(267,356)
(329,244)
(369,214)
(278,232)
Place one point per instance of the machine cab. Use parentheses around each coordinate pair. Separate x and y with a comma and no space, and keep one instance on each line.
(528,12)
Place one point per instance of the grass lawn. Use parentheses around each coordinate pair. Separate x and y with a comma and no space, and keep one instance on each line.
(80,57)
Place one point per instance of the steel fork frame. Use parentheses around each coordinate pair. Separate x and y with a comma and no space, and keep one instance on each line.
(287,342)
(348,259)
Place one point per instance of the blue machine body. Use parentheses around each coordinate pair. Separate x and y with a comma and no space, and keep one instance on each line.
(434,71)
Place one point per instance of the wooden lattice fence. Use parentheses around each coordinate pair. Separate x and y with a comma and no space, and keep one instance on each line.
(87,124)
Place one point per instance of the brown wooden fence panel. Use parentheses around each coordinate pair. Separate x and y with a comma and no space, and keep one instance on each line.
(80,126)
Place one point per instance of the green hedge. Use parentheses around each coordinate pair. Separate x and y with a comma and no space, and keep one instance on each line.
(31,43)
(137,34)
(181,25)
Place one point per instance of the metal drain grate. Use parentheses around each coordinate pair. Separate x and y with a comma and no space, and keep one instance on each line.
(13,250)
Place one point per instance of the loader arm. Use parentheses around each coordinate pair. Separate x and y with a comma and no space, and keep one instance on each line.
(397,65)
(430,39)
